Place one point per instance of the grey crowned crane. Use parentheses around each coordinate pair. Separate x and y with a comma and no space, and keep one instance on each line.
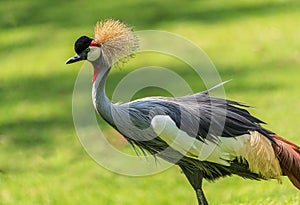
(207,137)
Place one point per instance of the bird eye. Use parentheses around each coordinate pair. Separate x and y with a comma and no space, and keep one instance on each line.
(87,50)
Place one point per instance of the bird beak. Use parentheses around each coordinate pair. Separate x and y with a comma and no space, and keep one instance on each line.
(77,57)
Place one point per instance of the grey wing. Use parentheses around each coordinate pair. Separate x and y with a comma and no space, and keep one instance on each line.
(200,116)
(219,117)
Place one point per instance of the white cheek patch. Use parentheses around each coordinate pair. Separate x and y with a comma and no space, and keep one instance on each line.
(94,53)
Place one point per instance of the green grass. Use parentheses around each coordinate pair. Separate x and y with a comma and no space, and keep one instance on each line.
(254,43)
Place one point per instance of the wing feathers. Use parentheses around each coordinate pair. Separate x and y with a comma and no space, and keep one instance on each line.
(226,150)
(249,148)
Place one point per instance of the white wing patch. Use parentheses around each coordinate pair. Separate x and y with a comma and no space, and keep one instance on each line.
(225,150)
(254,148)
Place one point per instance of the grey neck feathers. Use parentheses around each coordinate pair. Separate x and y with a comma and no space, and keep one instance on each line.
(101,102)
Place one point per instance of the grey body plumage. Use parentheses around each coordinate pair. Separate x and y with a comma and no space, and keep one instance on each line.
(192,114)
(239,144)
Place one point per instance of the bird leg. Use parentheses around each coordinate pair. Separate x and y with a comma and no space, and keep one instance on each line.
(195,178)
(201,197)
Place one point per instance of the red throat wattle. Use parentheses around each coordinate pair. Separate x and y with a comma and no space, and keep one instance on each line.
(96,70)
(94,43)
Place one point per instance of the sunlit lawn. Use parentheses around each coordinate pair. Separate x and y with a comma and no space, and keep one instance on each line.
(254,43)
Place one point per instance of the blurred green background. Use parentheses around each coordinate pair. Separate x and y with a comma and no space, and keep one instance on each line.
(254,42)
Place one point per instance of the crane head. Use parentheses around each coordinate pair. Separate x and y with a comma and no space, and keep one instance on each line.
(86,48)
(113,41)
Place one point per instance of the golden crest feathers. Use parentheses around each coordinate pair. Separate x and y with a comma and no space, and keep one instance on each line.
(116,39)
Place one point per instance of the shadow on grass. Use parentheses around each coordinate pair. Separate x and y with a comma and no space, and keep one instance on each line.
(47,89)
(36,132)
(142,14)
(48,98)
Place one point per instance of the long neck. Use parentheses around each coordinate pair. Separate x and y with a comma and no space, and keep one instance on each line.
(101,102)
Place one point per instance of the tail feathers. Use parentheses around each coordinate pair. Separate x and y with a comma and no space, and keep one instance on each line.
(288,155)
